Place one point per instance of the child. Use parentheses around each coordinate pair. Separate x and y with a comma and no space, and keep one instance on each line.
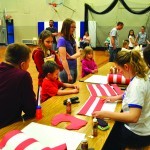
(16,89)
(51,85)
(44,52)
(131,37)
(88,63)
(107,41)
(133,130)
(125,45)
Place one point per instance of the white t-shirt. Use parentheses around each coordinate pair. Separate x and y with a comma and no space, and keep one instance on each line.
(137,95)
(131,38)
(114,33)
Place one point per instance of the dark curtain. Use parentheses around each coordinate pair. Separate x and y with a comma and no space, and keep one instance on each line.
(112,5)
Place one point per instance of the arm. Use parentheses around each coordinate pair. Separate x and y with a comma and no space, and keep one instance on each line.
(85,67)
(67,85)
(39,61)
(28,98)
(128,117)
(113,42)
(77,54)
(132,41)
(57,60)
(66,92)
(114,98)
(62,52)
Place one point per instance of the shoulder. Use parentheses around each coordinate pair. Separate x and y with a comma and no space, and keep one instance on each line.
(37,51)
(61,41)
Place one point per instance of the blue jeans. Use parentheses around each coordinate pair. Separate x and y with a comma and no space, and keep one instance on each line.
(64,77)
(112,53)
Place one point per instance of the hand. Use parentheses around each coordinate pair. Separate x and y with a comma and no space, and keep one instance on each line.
(75,91)
(111,99)
(96,70)
(114,47)
(68,56)
(76,87)
(99,114)
(70,78)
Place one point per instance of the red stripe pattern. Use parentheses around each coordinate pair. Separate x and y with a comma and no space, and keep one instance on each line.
(26,143)
(118,79)
(97,107)
(103,90)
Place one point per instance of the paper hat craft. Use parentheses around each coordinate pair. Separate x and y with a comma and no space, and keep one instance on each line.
(118,79)
(113,70)
(19,141)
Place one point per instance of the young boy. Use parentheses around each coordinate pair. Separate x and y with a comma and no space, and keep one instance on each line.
(125,45)
(51,85)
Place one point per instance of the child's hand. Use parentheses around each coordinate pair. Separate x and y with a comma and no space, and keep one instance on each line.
(96,70)
(111,99)
(75,91)
(76,87)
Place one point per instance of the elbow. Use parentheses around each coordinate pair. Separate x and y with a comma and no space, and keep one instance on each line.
(134,120)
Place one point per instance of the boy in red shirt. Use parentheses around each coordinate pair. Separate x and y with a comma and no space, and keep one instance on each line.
(51,85)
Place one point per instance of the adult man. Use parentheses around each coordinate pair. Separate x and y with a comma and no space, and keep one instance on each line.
(114,41)
(54,32)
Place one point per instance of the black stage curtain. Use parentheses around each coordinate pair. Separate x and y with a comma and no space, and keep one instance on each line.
(112,5)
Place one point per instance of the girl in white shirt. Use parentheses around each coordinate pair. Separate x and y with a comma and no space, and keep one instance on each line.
(133,132)
(131,37)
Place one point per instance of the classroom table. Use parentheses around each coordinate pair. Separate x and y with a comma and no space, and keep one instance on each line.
(54,106)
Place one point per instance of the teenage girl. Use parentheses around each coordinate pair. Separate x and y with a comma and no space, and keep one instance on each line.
(44,52)
(131,37)
(88,63)
(132,130)
(67,46)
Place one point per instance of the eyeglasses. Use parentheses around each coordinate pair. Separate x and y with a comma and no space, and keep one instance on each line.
(73,27)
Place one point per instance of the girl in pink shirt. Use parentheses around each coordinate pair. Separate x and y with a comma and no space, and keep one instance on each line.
(88,63)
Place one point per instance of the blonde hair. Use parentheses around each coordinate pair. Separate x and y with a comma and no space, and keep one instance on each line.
(87,50)
(134,59)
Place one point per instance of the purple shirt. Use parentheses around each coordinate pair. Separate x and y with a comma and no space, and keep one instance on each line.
(88,66)
(70,49)
(16,95)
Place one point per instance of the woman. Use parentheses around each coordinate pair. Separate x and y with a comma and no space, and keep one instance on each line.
(67,48)
(134,132)
(16,90)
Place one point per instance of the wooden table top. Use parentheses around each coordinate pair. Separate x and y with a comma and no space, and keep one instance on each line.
(55,106)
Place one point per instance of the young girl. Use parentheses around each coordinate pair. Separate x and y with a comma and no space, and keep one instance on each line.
(44,52)
(131,38)
(88,63)
(134,131)
(51,85)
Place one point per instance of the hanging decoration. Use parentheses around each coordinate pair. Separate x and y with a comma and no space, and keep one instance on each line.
(107,10)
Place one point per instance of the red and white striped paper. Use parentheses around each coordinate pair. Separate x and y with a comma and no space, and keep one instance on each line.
(104,89)
(96,104)
(17,140)
(118,78)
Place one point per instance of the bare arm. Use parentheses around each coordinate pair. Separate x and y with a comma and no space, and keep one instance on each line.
(128,117)
(113,42)
(63,54)
(67,91)
(114,98)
